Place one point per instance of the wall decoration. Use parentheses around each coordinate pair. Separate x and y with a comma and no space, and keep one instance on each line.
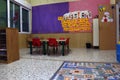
(77,21)
(76,25)
(102,8)
(106,17)
(77,15)
(90,5)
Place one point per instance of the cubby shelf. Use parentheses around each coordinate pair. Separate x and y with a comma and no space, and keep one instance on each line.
(9,50)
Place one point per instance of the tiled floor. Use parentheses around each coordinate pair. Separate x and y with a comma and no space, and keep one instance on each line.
(42,67)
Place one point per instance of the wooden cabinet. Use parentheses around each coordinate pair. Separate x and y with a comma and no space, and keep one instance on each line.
(9,47)
(107,27)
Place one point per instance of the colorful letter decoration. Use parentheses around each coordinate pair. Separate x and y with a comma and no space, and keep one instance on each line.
(76,22)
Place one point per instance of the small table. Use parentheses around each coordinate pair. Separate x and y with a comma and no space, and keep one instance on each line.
(45,44)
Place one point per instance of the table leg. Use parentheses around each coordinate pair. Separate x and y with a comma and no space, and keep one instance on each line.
(47,48)
(30,44)
(63,45)
(44,47)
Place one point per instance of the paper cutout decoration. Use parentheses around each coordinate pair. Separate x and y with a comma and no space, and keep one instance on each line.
(77,14)
(77,21)
(85,14)
(106,17)
(102,8)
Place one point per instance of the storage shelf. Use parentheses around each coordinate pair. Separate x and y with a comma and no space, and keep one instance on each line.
(2,55)
(3,61)
(9,50)
(3,49)
(3,58)
(2,33)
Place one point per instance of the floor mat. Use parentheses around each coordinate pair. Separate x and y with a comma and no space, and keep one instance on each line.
(87,71)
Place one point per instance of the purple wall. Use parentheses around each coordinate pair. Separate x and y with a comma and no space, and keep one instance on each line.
(45,18)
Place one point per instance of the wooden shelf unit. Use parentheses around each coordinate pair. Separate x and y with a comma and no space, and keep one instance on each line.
(9,47)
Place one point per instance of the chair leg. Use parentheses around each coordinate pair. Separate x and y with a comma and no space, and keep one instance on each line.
(67,48)
(48,51)
(38,49)
(54,50)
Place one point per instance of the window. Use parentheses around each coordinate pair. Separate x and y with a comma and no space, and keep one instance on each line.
(14,15)
(18,14)
(25,20)
(3,13)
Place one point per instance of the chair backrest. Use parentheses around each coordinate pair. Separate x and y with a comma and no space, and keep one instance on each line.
(67,41)
(52,42)
(36,42)
(61,38)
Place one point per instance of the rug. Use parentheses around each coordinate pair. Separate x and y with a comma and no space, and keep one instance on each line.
(87,71)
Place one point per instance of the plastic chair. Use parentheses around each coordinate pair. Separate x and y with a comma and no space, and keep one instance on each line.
(61,38)
(52,42)
(67,44)
(36,43)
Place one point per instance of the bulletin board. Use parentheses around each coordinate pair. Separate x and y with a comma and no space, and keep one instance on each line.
(65,17)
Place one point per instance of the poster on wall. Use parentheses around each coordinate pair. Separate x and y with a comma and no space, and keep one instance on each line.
(77,21)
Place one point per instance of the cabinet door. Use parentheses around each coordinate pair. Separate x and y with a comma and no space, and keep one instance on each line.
(107,20)
(12,44)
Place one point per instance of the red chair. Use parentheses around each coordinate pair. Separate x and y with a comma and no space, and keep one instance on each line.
(62,38)
(67,44)
(52,42)
(36,43)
